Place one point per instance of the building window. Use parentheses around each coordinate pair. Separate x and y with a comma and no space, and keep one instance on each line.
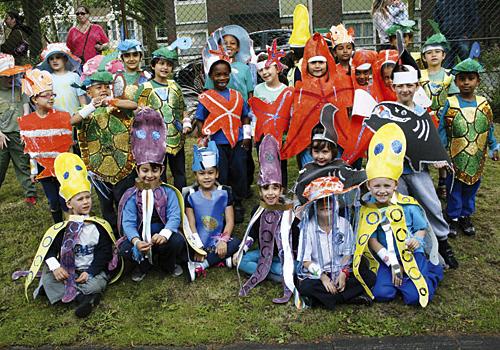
(360,6)
(364,34)
(190,11)
(287,6)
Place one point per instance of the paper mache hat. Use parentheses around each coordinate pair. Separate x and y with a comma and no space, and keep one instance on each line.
(59,48)
(72,175)
(270,162)
(406,26)
(435,41)
(386,153)
(129,45)
(273,57)
(165,53)
(205,157)
(300,30)
(468,65)
(148,137)
(327,121)
(36,81)
(340,35)
(410,77)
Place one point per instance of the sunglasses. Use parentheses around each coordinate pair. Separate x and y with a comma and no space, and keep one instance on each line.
(80,13)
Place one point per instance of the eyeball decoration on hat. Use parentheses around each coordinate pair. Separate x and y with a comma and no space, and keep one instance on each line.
(72,175)
(148,137)
(36,81)
(205,157)
(386,153)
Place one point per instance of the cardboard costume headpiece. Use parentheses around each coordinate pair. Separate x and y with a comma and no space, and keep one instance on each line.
(300,31)
(129,45)
(73,63)
(35,82)
(386,153)
(435,41)
(363,59)
(148,137)
(340,35)
(406,27)
(327,121)
(205,157)
(165,53)
(468,65)
(270,162)
(409,77)
(72,175)
(273,57)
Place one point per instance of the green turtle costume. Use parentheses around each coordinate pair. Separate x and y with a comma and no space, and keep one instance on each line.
(168,100)
(104,139)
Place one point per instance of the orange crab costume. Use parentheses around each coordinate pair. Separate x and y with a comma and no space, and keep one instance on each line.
(311,94)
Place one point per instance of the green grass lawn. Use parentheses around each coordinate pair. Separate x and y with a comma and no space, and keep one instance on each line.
(169,311)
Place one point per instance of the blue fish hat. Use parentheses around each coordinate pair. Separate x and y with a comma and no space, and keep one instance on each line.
(205,157)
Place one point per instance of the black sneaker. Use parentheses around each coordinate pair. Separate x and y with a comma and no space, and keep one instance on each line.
(466,225)
(89,301)
(447,254)
(361,299)
(454,228)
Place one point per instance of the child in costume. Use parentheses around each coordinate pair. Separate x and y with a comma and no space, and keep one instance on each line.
(362,72)
(272,226)
(77,254)
(327,241)
(272,102)
(438,84)
(163,94)
(393,226)
(104,138)
(383,66)
(343,45)
(407,27)
(150,213)
(11,146)
(466,129)
(298,39)
(209,209)
(46,133)
(222,115)
(131,54)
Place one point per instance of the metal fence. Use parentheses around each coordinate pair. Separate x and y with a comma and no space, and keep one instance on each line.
(159,22)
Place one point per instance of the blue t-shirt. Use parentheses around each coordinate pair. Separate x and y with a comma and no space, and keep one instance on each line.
(219,137)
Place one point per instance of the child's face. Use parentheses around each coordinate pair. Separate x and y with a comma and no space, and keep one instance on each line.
(57,62)
(317,68)
(99,90)
(206,178)
(434,58)
(163,68)
(322,156)
(150,173)
(363,76)
(44,100)
(405,93)
(270,194)
(386,75)
(231,44)
(80,204)
(269,74)
(343,52)
(393,41)
(382,189)
(220,74)
(408,39)
(467,82)
(132,60)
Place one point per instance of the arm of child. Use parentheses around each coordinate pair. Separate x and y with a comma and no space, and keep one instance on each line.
(173,214)
(221,248)
(86,110)
(129,226)
(123,104)
(492,143)
(442,125)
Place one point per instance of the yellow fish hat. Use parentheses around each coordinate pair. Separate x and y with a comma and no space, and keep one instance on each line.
(300,31)
(35,82)
(386,153)
(71,174)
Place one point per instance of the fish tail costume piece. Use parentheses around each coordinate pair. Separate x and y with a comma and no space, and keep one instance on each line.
(126,84)
(168,100)
(275,228)
(144,209)
(394,225)
(72,175)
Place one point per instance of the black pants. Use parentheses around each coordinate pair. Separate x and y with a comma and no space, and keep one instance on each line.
(233,170)
(314,289)
(177,166)
(109,197)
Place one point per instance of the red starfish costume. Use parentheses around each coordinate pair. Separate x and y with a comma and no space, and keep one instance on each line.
(311,94)
(272,118)
(45,138)
(224,115)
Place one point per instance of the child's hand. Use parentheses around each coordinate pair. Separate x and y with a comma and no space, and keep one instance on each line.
(203,141)
(143,246)
(397,275)
(495,156)
(60,274)
(246,144)
(98,101)
(33,179)
(158,239)
(198,257)
(3,140)
(340,282)
(84,277)
(235,259)
(413,244)
(221,249)
(328,284)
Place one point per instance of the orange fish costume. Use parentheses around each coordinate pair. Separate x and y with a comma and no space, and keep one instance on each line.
(44,137)
(311,94)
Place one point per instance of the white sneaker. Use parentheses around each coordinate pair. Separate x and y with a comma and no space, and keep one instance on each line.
(177,271)
(196,269)
(229,262)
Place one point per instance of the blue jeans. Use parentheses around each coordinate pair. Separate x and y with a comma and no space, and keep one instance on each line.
(249,261)
(461,198)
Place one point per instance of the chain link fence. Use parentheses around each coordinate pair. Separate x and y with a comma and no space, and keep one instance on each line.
(156,23)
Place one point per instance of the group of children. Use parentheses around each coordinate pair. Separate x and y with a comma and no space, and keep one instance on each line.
(332,243)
